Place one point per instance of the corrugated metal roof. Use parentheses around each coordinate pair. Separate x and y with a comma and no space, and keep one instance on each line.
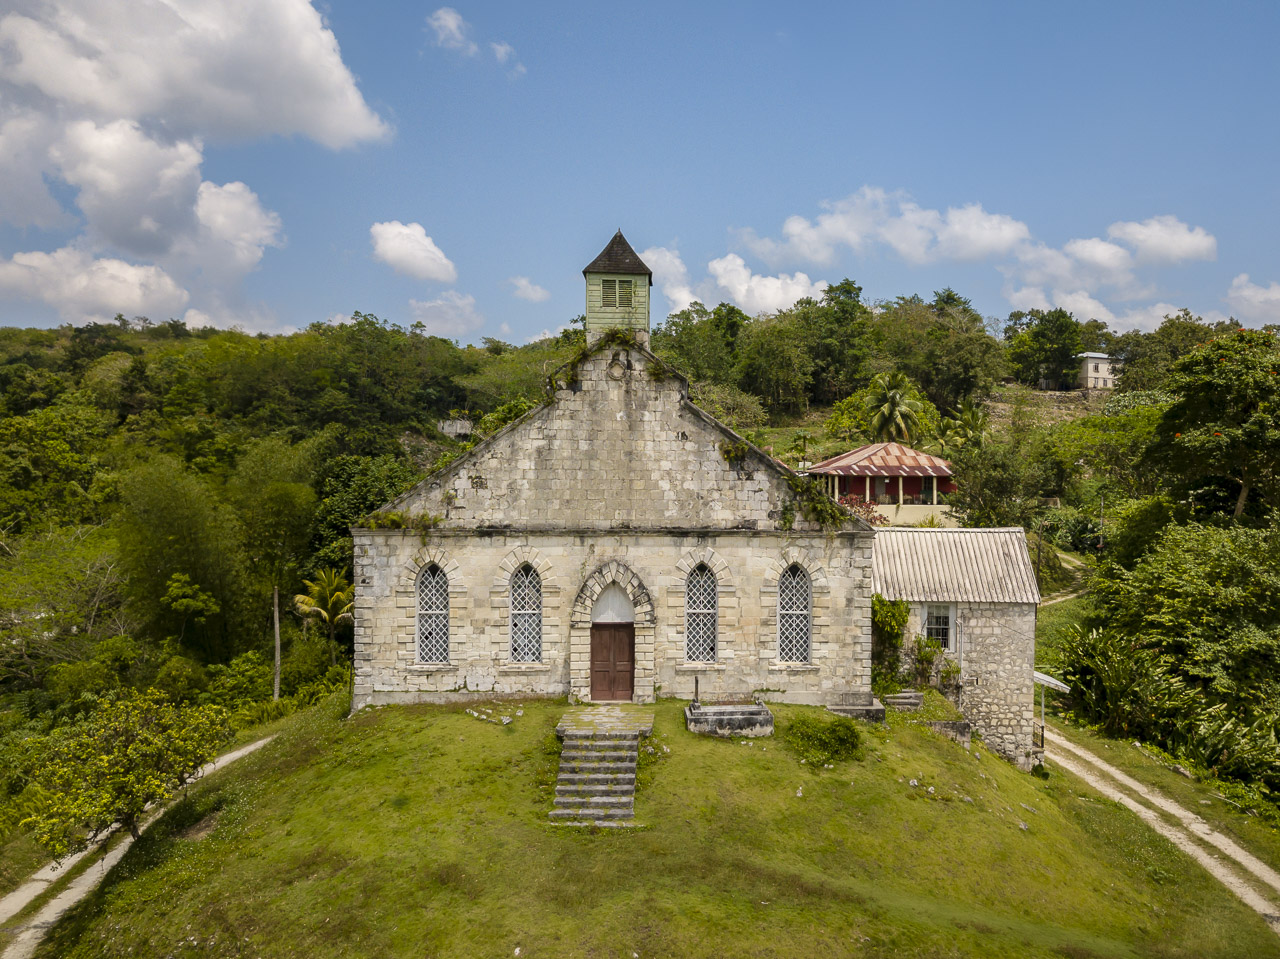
(884,459)
(953,565)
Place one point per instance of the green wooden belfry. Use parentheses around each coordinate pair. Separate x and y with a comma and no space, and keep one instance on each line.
(618,285)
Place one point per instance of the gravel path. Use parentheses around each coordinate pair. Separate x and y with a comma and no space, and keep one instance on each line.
(1238,870)
(28,936)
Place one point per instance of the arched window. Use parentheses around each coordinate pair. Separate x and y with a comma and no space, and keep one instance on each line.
(794,615)
(700,612)
(526,615)
(433,615)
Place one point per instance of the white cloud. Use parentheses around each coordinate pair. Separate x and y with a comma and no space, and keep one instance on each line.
(761,294)
(873,216)
(502,51)
(237,68)
(25,200)
(1260,304)
(136,193)
(234,228)
(407,249)
(452,314)
(1165,239)
(526,289)
(671,276)
(451,31)
(1082,306)
(82,288)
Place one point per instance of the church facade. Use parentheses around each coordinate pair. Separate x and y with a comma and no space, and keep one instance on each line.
(615,544)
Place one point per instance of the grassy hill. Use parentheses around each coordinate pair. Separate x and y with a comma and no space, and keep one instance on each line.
(421,831)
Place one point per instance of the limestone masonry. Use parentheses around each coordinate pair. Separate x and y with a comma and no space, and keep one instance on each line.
(618,543)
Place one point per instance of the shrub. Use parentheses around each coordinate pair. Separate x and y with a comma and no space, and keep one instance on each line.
(888,620)
(246,679)
(181,679)
(819,741)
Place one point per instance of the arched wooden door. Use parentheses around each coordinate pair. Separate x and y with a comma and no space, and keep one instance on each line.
(613,647)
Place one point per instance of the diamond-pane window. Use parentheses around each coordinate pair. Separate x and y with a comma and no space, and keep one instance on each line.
(433,616)
(700,611)
(526,616)
(794,609)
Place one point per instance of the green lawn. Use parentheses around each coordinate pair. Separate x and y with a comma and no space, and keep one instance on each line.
(20,856)
(1249,831)
(421,831)
(1052,623)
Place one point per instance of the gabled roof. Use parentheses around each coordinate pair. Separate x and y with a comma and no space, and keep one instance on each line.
(884,459)
(618,257)
(953,566)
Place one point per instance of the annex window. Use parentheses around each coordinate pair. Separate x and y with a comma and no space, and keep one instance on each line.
(938,623)
(1095,367)
(795,609)
(701,608)
(433,616)
(616,293)
(526,615)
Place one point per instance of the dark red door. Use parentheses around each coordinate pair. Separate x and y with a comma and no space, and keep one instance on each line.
(613,661)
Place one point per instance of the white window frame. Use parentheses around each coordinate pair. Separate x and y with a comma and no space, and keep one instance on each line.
(951,645)
(790,619)
(526,615)
(698,616)
(433,612)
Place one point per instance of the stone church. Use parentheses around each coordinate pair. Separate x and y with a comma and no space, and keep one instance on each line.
(614,544)
(618,543)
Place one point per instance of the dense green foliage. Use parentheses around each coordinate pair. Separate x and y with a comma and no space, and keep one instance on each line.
(105,770)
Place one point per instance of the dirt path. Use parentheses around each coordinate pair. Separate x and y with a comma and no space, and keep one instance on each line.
(1153,807)
(28,936)
(1061,599)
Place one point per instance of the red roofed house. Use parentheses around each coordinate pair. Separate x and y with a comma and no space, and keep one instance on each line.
(905,485)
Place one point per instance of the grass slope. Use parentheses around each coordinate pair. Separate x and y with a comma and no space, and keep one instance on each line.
(420,831)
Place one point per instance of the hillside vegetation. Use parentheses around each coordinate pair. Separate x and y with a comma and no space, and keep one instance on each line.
(421,831)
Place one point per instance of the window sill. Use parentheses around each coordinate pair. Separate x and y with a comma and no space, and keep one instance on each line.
(524,668)
(700,667)
(793,667)
(431,667)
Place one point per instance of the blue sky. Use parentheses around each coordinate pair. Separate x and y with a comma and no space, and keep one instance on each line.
(269,163)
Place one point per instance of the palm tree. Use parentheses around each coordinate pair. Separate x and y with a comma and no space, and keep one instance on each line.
(328,598)
(893,408)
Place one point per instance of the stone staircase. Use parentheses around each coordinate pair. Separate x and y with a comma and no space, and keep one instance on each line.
(597,781)
(907,701)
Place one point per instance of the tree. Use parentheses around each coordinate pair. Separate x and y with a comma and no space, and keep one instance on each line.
(350,488)
(276,505)
(329,599)
(1226,418)
(774,361)
(1043,345)
(1147,357)
(173,522)
(893,411)
(128,753)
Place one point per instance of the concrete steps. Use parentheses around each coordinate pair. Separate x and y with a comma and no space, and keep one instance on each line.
(597,780)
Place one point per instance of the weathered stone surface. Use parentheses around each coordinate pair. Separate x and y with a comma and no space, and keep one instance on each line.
(618,480)
(750,720)
(995,648)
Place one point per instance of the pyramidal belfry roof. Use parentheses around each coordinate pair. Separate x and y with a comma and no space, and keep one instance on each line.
(618,257)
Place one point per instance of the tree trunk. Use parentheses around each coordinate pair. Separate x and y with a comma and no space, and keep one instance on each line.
(1244,496)
(275,612)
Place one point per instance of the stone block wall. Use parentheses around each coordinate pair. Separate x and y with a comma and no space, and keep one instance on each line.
(574,566)
(619,446)
(995,649)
